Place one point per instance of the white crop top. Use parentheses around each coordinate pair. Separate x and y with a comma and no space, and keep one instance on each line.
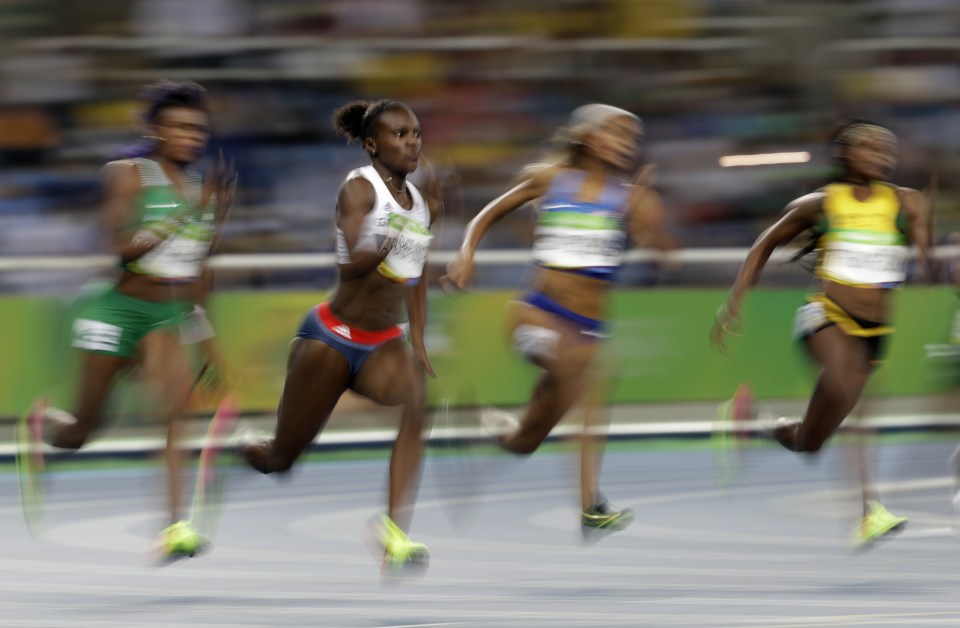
(387,219)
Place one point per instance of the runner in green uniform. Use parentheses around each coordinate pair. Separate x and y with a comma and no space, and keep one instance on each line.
(162,218)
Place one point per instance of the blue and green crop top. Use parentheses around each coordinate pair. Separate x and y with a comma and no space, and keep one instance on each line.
(587,238)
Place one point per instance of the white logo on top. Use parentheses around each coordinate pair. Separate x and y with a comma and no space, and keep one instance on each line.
(343,330)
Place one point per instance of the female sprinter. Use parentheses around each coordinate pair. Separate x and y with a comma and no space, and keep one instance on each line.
(864,226)
(587,210)
(161,218)
(355,341)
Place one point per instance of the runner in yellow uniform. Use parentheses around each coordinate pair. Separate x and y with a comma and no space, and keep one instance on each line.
(864,226)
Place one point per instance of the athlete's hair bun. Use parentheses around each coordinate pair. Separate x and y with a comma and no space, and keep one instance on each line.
(348,120)
(355,119)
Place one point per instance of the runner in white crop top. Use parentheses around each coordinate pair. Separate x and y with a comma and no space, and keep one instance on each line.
(389,221)
(355,340)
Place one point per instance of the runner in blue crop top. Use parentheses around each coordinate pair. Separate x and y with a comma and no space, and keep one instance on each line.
(587,209)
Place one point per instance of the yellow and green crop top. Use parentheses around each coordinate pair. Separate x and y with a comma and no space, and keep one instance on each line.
(863,243)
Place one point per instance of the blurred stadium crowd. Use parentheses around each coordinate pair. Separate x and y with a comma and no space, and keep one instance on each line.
(490,81)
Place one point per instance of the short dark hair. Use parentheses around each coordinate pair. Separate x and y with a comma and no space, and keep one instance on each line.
(163,94)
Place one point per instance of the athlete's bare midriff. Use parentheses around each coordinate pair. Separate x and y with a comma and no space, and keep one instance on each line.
(869,304)
(371,302)
(580,294)
(146,288)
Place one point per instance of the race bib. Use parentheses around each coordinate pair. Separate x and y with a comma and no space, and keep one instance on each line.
(180,256)
(864,264)
(573,248)
(175,258)
(408,256)
(568,239)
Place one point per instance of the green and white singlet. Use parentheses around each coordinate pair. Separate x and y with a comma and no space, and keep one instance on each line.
(180,257)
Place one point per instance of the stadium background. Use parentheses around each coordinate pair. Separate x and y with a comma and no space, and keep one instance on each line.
(490,82)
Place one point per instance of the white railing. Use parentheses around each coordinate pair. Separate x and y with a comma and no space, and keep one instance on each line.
(299,261)
(467,43)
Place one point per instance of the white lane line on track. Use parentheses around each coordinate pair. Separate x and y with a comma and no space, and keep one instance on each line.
(560,617)
(242,571)
(101,534)
(311,527)
(55,505)
(898,619)
(844,505)
(503,606)
(551,517)
(456,623)
(439,434)
(516,601)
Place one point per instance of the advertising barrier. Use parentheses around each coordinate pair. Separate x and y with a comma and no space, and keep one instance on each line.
(659,348)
